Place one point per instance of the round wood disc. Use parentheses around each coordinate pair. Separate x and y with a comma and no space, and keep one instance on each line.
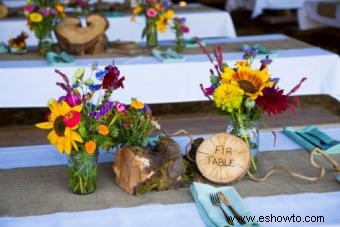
(223,158)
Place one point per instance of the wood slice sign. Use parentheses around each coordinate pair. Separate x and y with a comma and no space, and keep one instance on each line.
(223,158)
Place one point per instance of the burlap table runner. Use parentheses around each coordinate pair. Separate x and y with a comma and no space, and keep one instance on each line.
(283,44)
(42,190)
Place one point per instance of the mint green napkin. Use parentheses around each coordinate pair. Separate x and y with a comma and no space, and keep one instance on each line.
(261,50)
(3,48)
(191,43)
(62,59)
(311,137)
(211,215)
(167,56)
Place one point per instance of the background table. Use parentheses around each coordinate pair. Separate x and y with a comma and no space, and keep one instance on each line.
(170,208)
(257,6)
(30,83)
(319,13)
(202,21)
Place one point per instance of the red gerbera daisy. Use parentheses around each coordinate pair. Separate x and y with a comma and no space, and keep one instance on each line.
(275,102)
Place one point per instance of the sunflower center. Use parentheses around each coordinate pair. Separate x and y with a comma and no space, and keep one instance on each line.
(247,86)
(59,126)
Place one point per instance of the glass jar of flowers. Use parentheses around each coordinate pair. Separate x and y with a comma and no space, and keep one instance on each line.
(180,28)
(41,17)
(244,93)
(81,122)
(157,17)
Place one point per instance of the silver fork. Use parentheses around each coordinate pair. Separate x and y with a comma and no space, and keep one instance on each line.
(216,202)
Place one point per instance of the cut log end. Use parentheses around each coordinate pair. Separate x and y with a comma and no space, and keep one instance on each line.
(75,39)
(3,11)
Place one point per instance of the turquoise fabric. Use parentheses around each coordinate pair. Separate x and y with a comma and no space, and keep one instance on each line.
(311,137)
(191,43)
(167,56)
(3,48)
(262,51)
(62,59)
(211,215)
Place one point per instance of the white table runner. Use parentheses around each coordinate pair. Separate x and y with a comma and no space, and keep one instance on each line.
(47,155)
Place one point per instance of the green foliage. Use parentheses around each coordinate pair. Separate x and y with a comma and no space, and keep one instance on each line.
(135,127)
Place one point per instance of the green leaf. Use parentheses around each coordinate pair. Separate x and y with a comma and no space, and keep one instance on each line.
(83,132)
(144,33)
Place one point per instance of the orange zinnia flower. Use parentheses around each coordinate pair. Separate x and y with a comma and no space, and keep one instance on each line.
(90,146)
(103,130)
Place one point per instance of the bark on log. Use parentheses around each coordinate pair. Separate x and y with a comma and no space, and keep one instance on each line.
(138,171)
(78,40)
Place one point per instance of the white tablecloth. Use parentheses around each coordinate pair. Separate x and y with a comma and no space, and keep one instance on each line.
(309,18)
(31,83)
(257,6)
(211,23)
(186,214)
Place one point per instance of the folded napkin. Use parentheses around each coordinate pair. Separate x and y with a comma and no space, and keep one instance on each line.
(114,14)
(191,43)
(3,48)
(311,137)
(261,50)
(167,56)
(62,59)
(212,215)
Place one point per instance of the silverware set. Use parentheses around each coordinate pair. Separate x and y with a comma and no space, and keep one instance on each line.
(217,199)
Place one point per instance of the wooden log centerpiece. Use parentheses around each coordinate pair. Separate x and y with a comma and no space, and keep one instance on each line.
(78,40)
(3,10)
(139,170)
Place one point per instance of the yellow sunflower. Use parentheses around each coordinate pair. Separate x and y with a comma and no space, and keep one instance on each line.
(61,136)
(251,81)
(35,17)
(163,20)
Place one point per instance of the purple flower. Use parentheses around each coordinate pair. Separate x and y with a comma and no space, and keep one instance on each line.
(167,5)
(100,74)
(29,8)
(209,90)
(53,12)
(182,20)
(266,60)
(72,99)
(146,109)
(44,12)
(249,53)
(107,107)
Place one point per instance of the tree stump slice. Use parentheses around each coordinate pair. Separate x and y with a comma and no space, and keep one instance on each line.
(223,158)
(78,40)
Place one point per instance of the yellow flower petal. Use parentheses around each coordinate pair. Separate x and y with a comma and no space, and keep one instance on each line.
(75,136)
(60,144)
(227,73)
(45,125)
(74,144)
(52,137)
(67,145)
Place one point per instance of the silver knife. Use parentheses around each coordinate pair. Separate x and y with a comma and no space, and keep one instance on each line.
(224,199)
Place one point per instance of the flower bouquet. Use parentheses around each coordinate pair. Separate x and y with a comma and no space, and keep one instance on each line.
(245,93)
(41,17)
(180,28)
(81,122)
(145,163)
(18,44)
(157,16)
